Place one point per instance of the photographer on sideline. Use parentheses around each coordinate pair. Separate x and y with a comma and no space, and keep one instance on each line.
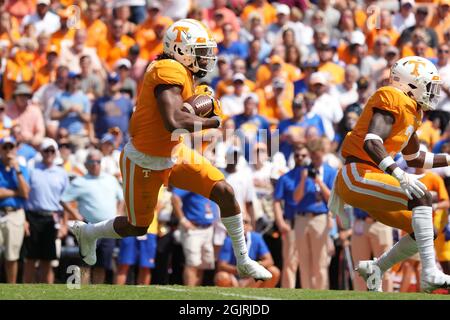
(313,221)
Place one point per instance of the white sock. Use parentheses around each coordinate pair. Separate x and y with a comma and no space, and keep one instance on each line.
(403,249)
(103,229)
(235,228)
(422,223)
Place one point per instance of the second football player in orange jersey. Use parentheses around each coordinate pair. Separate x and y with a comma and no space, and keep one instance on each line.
(372,181)
(154,156)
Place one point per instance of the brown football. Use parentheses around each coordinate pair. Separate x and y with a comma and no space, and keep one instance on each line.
(199,104)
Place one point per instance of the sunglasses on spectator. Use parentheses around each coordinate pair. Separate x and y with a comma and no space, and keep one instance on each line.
(64,145)
(8,146)
(93,161)
(301,155)
(49,150)
(443,51)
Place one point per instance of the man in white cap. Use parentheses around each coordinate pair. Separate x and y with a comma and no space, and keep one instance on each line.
(276,29)
(233,104)
(404,18)
(43,20)
(46,219)
(326,105)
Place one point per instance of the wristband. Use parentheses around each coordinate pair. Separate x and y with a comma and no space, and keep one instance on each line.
(429,159)
(386,163)
(409,157)
(373,136)
(448,159)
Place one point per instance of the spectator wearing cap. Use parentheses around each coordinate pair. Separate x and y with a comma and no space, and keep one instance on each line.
(440,21)
(14,187)
(5,122)
(356,49)
(374,62)
(114,109)
(404,18)
(99,197)
(285,209)
(197,215)
(233,103)
(47,72)
(325,105)
(23,112)
(229,46)
(70,55)
(115,45)
(347,92)
(292,131)
(275,30)
(111,156)
(73,111)
(326,51)
(225,86)
(250,126)
(64,36)
(386,29)
(95,29)
(128,85)
(44,215)
(278,97)
(227,275)
(263,8)
(91,84)
(421,23)
(443,66)
(274,67)
(225,73)
(313,220)
(43,20)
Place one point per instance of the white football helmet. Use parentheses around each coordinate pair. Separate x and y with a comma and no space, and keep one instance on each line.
(189,41)
(419,79)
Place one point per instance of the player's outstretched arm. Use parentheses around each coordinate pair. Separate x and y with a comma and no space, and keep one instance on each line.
(169,104)
(421,159)
(379,129)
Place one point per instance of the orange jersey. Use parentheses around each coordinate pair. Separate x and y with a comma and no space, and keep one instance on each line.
(407,119)
(146,127)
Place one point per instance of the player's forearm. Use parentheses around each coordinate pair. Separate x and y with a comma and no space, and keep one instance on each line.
(190,122)
(377,152)
(427,160)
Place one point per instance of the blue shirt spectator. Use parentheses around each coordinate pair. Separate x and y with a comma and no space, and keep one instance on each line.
(112,111)
(197,209)
(97,196)
(284,191)
(256,245)
(231,47)
(67,100)
(8,180)
(47,184)
(312,201)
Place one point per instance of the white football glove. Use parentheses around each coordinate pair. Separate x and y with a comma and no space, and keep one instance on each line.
(410,183)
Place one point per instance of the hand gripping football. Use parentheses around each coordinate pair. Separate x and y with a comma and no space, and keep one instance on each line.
(201,105)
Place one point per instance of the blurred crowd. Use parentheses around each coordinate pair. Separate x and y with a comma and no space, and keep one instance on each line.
(293,77)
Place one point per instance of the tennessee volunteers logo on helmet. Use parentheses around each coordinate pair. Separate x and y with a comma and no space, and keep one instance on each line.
(179,30)
(416,64)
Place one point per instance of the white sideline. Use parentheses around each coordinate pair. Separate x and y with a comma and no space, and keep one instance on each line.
(220,293)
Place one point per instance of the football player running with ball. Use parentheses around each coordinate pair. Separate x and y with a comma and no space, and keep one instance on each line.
(372,181)
(153,158)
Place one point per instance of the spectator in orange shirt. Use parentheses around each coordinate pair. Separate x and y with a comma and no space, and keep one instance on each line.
(220,6)
(355,51)
(138,65)
(279,96)
(227,86)
(418,45)
(96,29)
(441,19)
(64,36)
(150,49)
(40,54)
(47,72)
(27,115)
(276,67)
(115,46)
(326,51)
(8,32)
(385,29)
(421,23)
(262,7)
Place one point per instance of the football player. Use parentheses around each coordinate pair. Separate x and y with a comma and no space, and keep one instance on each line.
(154,156)
(372,181)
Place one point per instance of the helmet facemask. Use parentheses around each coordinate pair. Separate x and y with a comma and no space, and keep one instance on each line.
(429,97)
(204,59)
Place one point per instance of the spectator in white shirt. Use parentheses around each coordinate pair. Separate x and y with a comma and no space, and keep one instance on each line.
(443,65)
(233,104)
(347,91)
(404,18)
(43,20)
(375,62)
(326,105)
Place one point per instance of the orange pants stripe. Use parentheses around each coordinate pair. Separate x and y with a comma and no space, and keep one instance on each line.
(379,194)
(141,186)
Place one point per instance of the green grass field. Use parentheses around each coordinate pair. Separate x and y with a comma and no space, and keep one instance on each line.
(109,292)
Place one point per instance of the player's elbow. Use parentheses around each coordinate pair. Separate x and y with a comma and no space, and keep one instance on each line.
(369,146)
